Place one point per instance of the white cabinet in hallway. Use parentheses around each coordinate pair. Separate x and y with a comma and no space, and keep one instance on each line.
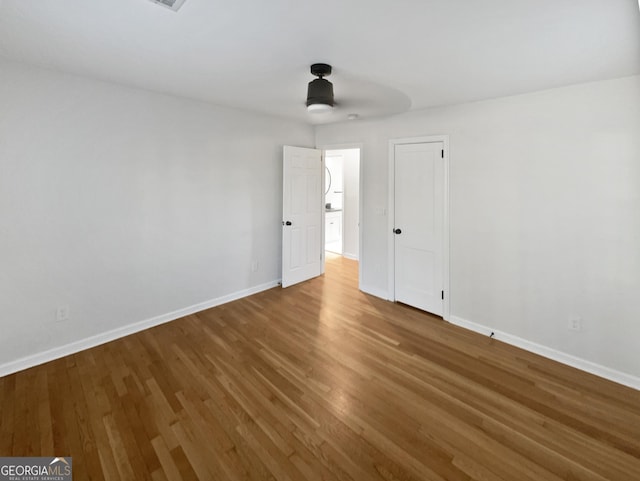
(333,231)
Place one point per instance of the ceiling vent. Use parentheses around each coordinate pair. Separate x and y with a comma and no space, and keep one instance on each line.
(171,4)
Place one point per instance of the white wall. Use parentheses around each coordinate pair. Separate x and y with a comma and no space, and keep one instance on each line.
(126,205)
(545,213)
(334,180)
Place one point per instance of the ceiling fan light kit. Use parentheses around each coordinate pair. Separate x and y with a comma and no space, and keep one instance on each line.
(320,90)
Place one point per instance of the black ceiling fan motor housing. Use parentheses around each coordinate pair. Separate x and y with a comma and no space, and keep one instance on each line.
(320,91)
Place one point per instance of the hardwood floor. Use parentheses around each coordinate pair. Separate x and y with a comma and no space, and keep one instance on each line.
(320,382)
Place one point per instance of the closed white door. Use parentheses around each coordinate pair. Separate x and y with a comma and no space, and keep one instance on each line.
(419,224)
(302,215)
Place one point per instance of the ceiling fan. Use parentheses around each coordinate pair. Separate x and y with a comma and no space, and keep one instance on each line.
(359,98)
(320,90)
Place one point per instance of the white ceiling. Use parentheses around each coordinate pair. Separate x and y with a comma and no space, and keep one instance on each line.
(388,55)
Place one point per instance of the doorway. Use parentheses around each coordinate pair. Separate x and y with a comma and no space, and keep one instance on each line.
(306,210)
(342,202)
(343,232)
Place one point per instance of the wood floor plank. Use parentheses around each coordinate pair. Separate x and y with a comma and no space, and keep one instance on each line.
(320,381)
(169,468)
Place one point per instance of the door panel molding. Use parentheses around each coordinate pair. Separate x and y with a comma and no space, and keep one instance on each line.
(446,308)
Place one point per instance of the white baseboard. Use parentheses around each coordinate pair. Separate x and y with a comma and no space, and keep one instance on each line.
(102,338)
(353,257)
(374,291)
(564,358)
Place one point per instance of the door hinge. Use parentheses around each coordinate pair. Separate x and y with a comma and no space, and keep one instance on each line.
(442,153)
(442,292)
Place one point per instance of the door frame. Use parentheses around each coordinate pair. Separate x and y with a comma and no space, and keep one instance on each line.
(360,146)
(445,231)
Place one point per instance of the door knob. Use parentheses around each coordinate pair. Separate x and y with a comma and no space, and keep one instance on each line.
(287,223)
(397,231)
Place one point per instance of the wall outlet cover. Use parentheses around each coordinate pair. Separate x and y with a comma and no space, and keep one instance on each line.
(575,324)
(62,313)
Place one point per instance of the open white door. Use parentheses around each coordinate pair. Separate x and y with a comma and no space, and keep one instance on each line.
(302,215)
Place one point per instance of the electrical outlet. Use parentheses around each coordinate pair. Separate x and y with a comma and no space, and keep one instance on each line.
(575,324)
(62,313)
(254,266)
